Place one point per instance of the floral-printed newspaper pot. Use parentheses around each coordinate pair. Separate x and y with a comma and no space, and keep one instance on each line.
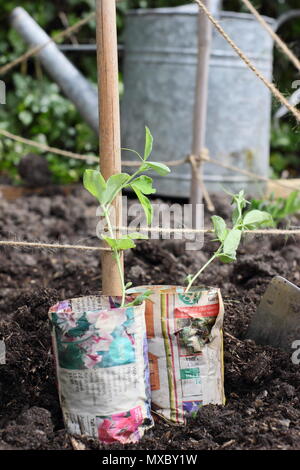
(185,345)
(102,368)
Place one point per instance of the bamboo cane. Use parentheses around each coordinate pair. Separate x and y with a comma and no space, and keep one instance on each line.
(109,125)
(200,108)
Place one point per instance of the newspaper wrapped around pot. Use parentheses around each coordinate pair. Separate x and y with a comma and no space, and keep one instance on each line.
(102,368)
(185,344)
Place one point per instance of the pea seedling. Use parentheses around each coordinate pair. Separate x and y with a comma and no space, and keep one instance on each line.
(106,192)
(230,238)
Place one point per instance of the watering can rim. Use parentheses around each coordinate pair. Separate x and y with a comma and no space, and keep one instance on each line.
(184,10)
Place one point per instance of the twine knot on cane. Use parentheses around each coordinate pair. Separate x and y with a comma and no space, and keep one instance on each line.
(198,159)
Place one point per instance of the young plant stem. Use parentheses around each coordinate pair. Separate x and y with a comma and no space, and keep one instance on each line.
(215,255)
(118,258)
(116,252)
(237,226)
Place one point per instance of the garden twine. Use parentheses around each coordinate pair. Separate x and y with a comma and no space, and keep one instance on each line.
(18,244)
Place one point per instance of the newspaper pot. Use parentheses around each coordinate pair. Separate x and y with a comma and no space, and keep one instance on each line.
(102,368)
(185,344)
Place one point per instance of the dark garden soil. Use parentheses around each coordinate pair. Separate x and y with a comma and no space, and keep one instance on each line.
(262,384)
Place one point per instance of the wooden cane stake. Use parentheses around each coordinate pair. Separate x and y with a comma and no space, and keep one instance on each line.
(109,131)
(200,108)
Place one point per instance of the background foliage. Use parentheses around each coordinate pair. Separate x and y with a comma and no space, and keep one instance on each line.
(34,103)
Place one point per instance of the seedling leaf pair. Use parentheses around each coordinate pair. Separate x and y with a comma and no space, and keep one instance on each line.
(124,243)
(104,191)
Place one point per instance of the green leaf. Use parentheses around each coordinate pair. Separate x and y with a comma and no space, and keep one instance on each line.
(110,241)
(231,244)
(137,236)
(94,182)
(114,185)
(145,294)
(124,243)
(292,204)
(240,202)
(146,204)
(119,244)
(240,199)
(148,144)
(227,258)
(140,298)
(255,218)
(219,227)
(144,184)
(159,168)
(235,216)
(188,278)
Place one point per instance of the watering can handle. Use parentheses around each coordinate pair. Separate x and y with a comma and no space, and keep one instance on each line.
(289,15)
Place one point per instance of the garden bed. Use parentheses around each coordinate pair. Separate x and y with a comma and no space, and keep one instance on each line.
(262,385)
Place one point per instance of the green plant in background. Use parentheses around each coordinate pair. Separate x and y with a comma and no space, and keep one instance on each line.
(279,208)
(229,238)
(285,149)
(42,114)
(106,192)
(35,106)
